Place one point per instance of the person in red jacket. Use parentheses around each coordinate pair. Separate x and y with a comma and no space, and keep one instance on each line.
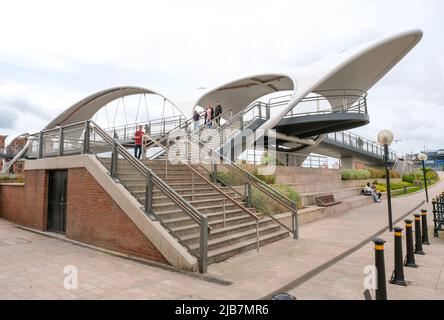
(138,142)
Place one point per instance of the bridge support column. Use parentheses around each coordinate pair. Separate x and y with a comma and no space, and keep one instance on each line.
(347,163)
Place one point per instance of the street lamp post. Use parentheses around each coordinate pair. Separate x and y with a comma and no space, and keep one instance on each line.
(385,138)
(423,157)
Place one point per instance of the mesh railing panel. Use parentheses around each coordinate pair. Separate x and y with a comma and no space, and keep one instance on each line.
(51,143)
(73,139)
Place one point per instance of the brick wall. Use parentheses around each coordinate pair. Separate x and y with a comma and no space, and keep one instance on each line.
(92,215)
(94,218)
(26,205)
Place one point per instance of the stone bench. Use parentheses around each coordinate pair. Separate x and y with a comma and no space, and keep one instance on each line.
(326,201)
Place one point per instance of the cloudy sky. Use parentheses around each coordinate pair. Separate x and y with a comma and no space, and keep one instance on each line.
(54,53)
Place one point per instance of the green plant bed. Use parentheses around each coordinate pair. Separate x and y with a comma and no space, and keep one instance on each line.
(13,178)
(400,193)
(265,204)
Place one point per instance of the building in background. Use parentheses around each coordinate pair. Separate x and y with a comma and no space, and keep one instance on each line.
(2,150)
(435,160)
(7,152)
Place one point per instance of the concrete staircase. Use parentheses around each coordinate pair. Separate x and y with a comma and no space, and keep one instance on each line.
(230,235)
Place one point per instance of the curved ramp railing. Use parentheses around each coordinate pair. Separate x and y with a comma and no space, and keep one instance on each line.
(360,144)
(325,102)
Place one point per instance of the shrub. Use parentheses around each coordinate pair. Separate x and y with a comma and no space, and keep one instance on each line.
(270,159)
(394,174)
(410,178)
(264,204)
(268,179)
(287,191)
(19,178)
(232,179)
(355,174)
(376,173)
(229,178)
(347,174)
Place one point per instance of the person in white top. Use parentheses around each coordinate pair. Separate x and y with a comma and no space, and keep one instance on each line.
(368,191)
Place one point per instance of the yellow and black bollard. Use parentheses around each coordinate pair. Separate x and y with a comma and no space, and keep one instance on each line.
(418,238)
(435,220)
(381,290)
(425,230)
(398,273)
(410,257)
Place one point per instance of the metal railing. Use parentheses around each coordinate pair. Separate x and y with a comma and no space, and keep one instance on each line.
(360,143)
(288,159)
(155,127)
(256,193)
(198,177)
(159,201)
(325,102)
(196,129)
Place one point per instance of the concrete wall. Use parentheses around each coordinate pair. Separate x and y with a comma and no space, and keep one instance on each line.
(300,175)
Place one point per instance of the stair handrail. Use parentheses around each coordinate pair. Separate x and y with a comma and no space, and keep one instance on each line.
(202,126)
(139,165)
(150,123)
(259,184)
(165,136)
(204,178)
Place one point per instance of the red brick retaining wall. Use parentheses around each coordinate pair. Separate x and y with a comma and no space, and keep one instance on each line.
(26,205)
(93,217)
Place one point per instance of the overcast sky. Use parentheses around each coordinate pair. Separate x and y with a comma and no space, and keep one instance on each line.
(54,53)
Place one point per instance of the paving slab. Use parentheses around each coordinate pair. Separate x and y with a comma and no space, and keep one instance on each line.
(32,265)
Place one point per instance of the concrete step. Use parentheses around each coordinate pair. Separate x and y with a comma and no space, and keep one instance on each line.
(227,230)
(233,238)
(313,213)
(339,194)
(204,208)
(181,220)
(226,252)
(205,190)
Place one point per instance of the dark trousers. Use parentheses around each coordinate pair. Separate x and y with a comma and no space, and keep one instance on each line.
(138,151)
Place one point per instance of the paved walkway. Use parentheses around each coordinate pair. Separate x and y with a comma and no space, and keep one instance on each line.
(32,266)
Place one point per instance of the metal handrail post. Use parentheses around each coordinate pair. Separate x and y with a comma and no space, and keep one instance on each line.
(114,158)
(192,187)
(203,250)
(61,144)
(149,193)
(41,142)
(295,222)
(248,195)
(257,235)
(214,171)
(225,212)
(86,138)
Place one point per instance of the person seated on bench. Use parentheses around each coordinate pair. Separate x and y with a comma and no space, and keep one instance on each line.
(368,191)
(379,194)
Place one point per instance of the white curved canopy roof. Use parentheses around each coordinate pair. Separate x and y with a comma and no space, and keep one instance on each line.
(238,94)
(86,108)
(359,68)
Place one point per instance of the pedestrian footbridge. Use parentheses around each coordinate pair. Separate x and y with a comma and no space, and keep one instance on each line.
(188,182)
